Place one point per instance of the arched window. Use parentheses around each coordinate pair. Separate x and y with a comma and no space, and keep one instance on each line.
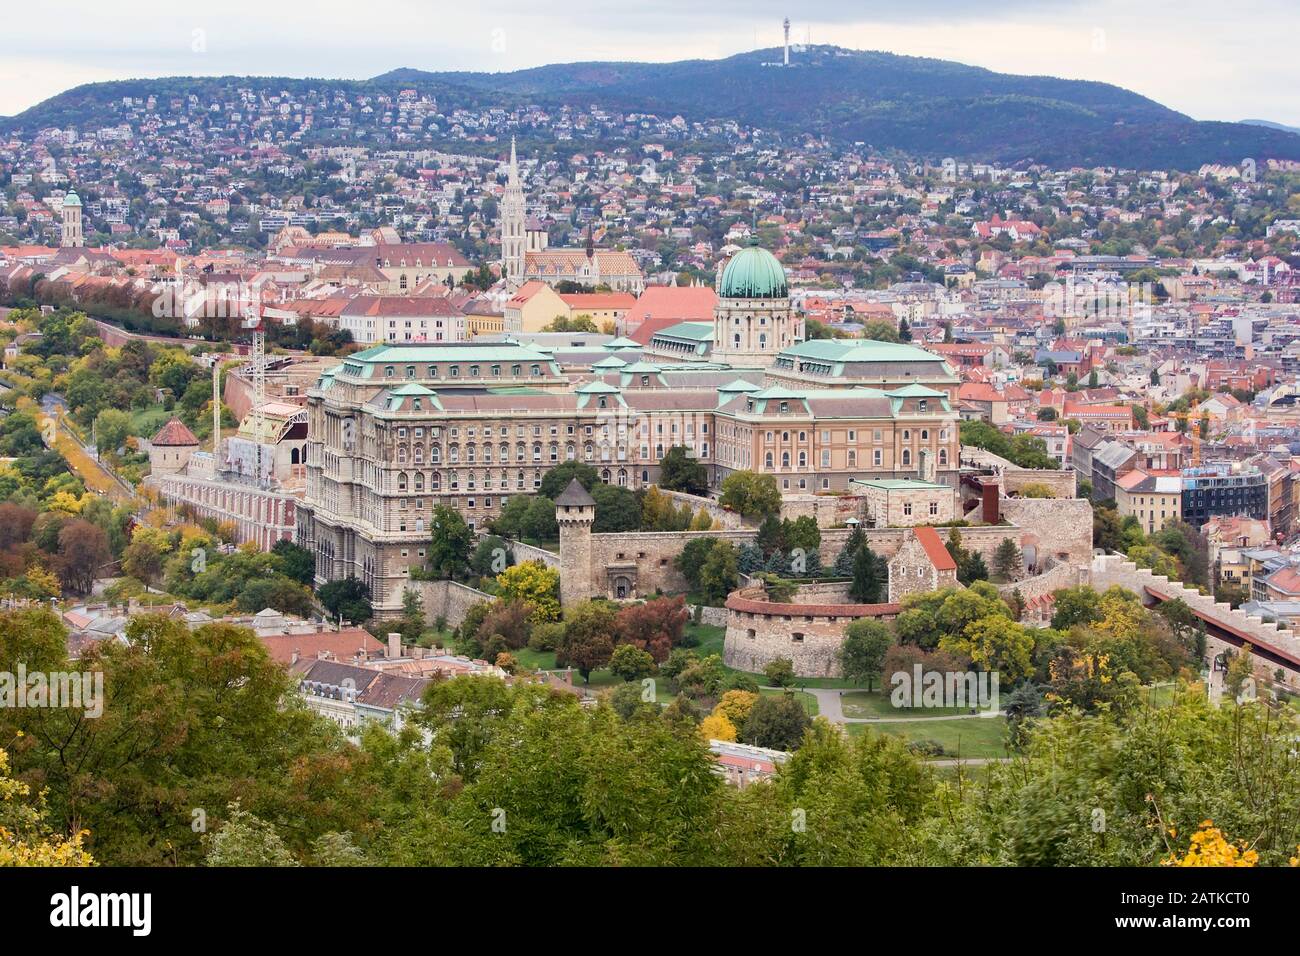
(401,454)
(907,456)
(785,459)
(943,456)
(401,481)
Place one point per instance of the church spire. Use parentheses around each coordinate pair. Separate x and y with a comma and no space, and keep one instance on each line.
(514,163)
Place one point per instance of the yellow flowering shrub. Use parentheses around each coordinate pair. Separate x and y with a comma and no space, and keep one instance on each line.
(1209,847)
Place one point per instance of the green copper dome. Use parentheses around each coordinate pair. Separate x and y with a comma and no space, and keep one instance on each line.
(753,273)
(71,199)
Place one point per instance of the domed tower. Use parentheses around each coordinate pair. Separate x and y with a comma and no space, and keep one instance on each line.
(72,235)
(752,321)
(575,511)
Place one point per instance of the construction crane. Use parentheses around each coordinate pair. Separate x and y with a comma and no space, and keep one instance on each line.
(1194,432)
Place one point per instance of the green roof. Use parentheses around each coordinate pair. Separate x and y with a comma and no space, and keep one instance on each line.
(411,388)
(739,385)
(916,390)
(696,331)
(622,343)
(899,484)
(71,199)
(592,388)
(859,350)
(753,273)
(612,361)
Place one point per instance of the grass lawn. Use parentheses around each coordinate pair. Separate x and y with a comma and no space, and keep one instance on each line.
(977,737)
(147,421)
(859,703)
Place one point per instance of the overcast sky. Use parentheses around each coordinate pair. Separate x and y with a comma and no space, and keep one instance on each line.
(1207,59)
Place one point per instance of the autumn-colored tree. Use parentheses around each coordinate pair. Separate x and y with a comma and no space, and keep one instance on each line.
(83,550)
(26,838)
(656,626)
(536,585)
(735,705)
(1209,847)
(717,727)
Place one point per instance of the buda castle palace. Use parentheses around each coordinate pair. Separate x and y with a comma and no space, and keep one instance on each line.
(400,428)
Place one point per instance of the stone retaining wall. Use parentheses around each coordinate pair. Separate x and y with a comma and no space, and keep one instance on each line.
(449,600)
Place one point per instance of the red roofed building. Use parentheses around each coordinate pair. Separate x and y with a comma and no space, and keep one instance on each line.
(662,305)
(1109,418)
(171,447)
(922,563)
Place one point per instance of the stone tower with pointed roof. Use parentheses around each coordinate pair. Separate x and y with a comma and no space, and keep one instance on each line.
(513,222)
(575,511)
(171,448)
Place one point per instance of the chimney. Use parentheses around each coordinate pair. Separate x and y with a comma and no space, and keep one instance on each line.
(394,645)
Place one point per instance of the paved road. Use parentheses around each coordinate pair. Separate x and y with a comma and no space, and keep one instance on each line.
(830,706)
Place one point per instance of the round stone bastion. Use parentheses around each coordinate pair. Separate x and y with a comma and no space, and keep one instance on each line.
(808,630)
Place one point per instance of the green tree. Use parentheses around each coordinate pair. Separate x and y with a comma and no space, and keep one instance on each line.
(862,653)
(557,479)
(779,672)
(718,573)
(588,642)
(631,663)
(1007,559)
(449,542)
(347,599)
(870,576)
(778,722)
(679,471)
(751,494)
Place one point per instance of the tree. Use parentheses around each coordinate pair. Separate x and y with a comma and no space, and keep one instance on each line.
(539,521)
(143,560)
(112,426)
(588,641)
(247,840)
(28,839)
(657,626)
(770,536)
(535,585)
(449,542)
(617,509)
(679,471)
(717,727)
(491,556)
(631,663)
(870,576)
(779,672)
(844,562)
(995,643)
(750,494)
(862,653)
(718,573)
(1241,668)
(83,550)
(347,598)
(735,705)
(557,479)
(1006,559)
(295,562)
(778,722)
